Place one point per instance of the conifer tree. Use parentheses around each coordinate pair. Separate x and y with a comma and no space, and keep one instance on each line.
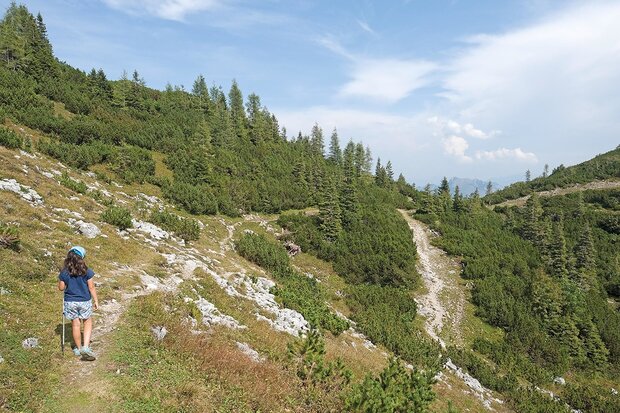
(199,87)
(444,187)
(367,160)
(360,158)
(489,189)
(389,172)
(316,140)
(584,249)
(546,171)
(557,249)
(533,229)
(349,198)
(458,205)
(329,210)
(594,347)
(335,153)
(528,176)
(237,112)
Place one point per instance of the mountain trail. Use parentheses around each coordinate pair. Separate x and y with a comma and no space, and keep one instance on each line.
(443,303)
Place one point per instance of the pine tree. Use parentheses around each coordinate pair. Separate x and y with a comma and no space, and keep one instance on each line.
(533,229)
(237,112)
(389,172)
(528,176)
(316,140)
(360,158)
(444,187)
(335,153)
(489,189)
(349,198)
(557,250)
(458,205)
(367,160)
(329,211)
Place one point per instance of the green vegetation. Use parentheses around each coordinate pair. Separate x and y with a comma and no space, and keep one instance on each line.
(118,216)
(604,166)
(185,228)
(297,291)
(9,237)
(396,389)
(10,139)
(73,184)
(544,274)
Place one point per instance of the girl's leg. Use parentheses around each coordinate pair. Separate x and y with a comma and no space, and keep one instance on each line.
(88,329)
(77,335)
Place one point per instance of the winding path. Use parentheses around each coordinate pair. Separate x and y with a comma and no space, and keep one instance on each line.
(442,304)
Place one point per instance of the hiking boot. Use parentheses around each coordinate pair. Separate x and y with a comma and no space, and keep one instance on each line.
(87,354)
(76,351)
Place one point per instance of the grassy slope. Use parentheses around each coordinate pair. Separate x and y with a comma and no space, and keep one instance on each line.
(134,372)
(604,167)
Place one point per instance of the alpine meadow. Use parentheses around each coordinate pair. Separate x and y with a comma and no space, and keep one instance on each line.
(243,268)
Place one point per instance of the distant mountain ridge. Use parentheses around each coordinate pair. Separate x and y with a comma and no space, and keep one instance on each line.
(468,186)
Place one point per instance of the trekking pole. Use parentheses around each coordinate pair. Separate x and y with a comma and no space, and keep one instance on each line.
(62,344)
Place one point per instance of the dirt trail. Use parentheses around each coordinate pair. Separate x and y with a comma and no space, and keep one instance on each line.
(442,304)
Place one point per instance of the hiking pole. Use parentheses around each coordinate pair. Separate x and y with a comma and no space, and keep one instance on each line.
(62,344)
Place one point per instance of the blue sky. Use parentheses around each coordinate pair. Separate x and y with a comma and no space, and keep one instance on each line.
(443,87)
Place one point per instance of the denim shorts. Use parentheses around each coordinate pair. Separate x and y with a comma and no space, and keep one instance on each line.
(78,309)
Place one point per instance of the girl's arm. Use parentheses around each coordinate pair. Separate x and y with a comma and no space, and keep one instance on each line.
(61,285)
(93,293)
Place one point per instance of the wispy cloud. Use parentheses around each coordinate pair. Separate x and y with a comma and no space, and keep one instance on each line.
(166,9)
(386,80)
(503,154)
(366,27)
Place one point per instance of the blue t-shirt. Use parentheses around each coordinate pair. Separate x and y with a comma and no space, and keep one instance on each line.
(76,288)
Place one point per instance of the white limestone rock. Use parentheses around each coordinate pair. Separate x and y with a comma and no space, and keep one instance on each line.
(25,192)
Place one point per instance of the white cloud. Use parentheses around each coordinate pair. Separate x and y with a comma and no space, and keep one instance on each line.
(165,9)
(456,147)
(503,153)
(386,80)
(447,126)
(555,80)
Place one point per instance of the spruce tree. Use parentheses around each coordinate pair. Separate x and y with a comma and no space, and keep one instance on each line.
(458,205)
(389,172)
(557,249)
(528,176)
(444,187)
(316,140)
(533,229)
(329,210)
(584,250)
(360,158)
(335,153)
(349,198)
(367,160)
(489,189)
(237,112)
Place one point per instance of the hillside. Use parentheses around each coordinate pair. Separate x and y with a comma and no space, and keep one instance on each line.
(241,269)
(604,167)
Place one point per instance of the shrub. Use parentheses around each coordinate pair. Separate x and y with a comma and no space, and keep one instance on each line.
(132,164)
(185,228)
(395,390)
(9,237)
(117,216)
(73,184)
(194,199)
(10,139)
(295,290)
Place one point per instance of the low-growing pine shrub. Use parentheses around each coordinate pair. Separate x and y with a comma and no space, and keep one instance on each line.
(10,139)
(186,228)
(73,184)
(118,216)
(9,237)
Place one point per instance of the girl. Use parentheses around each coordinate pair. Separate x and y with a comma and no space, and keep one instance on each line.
(76,280)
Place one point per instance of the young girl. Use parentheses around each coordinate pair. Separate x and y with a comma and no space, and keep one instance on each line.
(76,280)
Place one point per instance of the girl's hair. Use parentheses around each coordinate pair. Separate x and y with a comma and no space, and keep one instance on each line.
(75,265)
